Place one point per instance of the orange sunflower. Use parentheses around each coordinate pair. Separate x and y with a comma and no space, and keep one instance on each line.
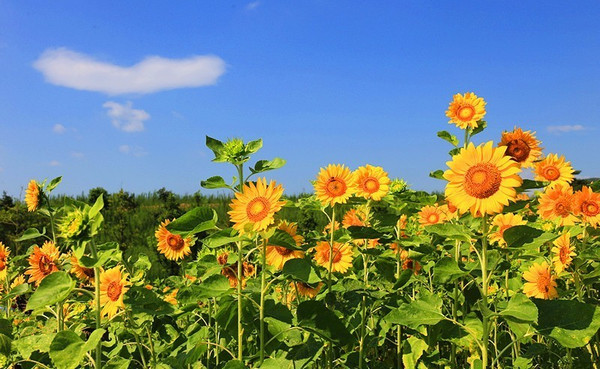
(557,204)
(481,179)
(502,222)
(354,217)
(540,282)
(4,253)
(32,195)
(465,110)
(42,262)
(277,255)
(81,272)
(331,226)
(554,169)
(564,252)
(255,206)
(586,204)
(113,285)
(342,256)
(335,184)
(19,280)
(371,182)
(305,289)
(173,246)
(230,271)
(523,147)
(450,211)
(408,263)
(431,214)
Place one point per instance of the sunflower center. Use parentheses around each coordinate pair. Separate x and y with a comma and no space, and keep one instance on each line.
(370,185)
(551,173)
(543,282)
(337,254)
(563,255)
(482,180)
(89,272)
(114,290)
(45,264)
(562,207)
(283,251)
(175,242)
(433,218)
(590,208)
(257,209)
(408,264)
(466,113)
(336,187)
(518,149)
(2,264)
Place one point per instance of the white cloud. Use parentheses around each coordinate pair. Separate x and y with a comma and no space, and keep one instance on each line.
(565,128)
(253,5)
(54,163)
(64,67)
(125,117)
(59,129)
(136,151)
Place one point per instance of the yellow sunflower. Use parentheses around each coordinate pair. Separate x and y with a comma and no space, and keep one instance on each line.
(523,147)
(173,246)
(113,285)
(32,195)
(557,204)
(481,179)
(19,280)
(42,262)
(81,272)
(586,204)
(277,255)
(371,182)
(4,253)
(335,184)
(305,289)
(450,211)
(540,282)
(431,214)
(502,222)
(465,110)
(342,256)
(554,169)
(354,217)
(256,205)
(331,226)
(564,252)
(171,298)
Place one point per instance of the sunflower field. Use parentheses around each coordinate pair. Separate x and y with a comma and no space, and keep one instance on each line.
(499,271)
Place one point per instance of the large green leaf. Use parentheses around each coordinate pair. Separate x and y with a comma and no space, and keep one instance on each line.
(571,323)
(446,136)
(67,350)
(222,237)
(301,270)
(412,352)
(117,362)
(214,183)
(277,363)
(234,364)
(358,233)
(214,286)
(521,309)
(265,165)
(525,236)
(447,270)
(98,205)
(425,311)
(26,345)
(216,146)
(316,317)
(449,230)
(53,288)
(30,234)
(197,220)
(283,239)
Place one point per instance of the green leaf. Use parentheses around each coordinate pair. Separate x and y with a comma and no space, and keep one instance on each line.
(525,236)
(17,291)
(215,145)
(451,231)
(222,237)
(117,362)
(5,345)
(30,234)
(358,233)
(214,182)
(67,350)
(234,364)
(277,363)
(283,239)
(197,220)
(528,184)
(265,165)
(93,339)
(412,351)
(521,308)
(98,205)
(53,183)
(103,257)
(425,311)
(446,136)
(571,323)
(301,270)
(481,125)
(26,345)
(316,317)
(438,174)
(54,288)
(216,285)
(447,270)
(254,146)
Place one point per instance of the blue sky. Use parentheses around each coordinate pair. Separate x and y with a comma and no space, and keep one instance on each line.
(121,94)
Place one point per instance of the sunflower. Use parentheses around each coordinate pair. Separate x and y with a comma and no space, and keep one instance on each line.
(504,222)
(540,282)
(523,147)
(554,169)
(342,256)
(222,257)
(372,243)
(522,196)
(481,179)
(32,195)
(371,182)
(113,285)
(586,204)
(305,289)
(256,205)
(42,262)
(173,246)
(450,211)
(277,255)
(4,253)
(171,298)
(335,184)
(73,224)
(431,214)
(564,252)
(332,225)
(465,110)
(408,263)
(402,222)
(557,204)
(354,217)
(17,281)
(83,273)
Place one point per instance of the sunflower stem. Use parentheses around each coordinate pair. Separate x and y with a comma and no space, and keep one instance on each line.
(98,307)
(331,230)
(363,315)
(263,259)
(455,305)
(240,169)
(484,292)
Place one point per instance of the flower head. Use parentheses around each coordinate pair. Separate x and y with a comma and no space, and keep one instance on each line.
(73,224)
(4,253)
(554,169)
(371,182)
(335,184)
(523,147)
(42,262)
(563,251)
(466,110)
(278,255)
(83,273)
(540,282)
(254,208)
(113,285)
(556,203)
(502,222)
(340,256)
(586,204)
(432,214)
(32,195)
(171,245)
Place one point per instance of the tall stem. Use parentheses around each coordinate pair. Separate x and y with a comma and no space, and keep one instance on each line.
(98,307)
(399,328)
(455,305)
(329,355)
(239,276)
(484,291)
(263,259)
(363,316)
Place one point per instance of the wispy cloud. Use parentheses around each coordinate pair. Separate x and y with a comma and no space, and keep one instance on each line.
(64,67)
(136,151)
(565,128)
(253,5)
(54,163)
(125,117)
(59,129)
